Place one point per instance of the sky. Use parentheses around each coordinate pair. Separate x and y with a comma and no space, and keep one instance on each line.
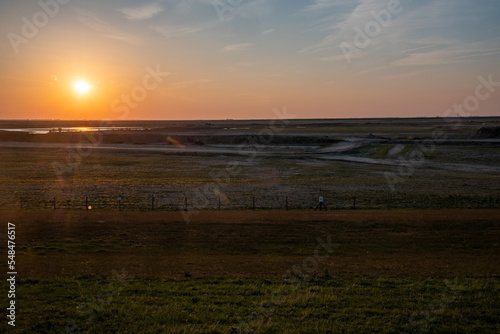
(249,59)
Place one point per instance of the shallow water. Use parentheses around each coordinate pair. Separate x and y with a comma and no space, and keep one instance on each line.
(71,129)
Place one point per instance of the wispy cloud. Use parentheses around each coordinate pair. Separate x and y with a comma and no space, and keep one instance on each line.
(172,31)
(238,47)
(339,27)
(336,58)
(267,32)
(143,12)
(254,9)
(420,34)
(319,5)
(445,56)
(92,21)
(403,75)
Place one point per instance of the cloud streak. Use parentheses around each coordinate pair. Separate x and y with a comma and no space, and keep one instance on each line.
(91,20)
(143,12)
(238,47)
(172,31)
(442,57)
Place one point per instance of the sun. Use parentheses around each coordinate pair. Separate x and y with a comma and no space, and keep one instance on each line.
(82,87)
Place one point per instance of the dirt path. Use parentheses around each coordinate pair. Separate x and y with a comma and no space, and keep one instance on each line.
(324,153)
(468,168)
(398,243)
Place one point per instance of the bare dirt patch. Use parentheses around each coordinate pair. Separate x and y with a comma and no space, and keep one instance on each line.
(402,243)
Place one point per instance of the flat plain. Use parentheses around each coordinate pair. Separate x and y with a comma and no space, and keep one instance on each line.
(419,253)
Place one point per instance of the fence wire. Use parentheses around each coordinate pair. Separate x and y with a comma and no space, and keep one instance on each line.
(245,201)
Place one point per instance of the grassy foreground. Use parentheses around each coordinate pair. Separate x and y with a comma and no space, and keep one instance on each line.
(322,305)
(395,271)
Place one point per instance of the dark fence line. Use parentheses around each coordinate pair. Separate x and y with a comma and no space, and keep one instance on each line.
(250,202)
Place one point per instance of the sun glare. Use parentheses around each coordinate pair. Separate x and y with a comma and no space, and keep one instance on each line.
(82,87)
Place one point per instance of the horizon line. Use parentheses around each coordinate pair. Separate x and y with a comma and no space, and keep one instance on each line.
(233,119)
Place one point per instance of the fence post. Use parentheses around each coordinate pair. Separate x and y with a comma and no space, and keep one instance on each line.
(219,203)
(54,203)
(86,203)
(119,204)
(491,202)
(354,203)
(388,203)
(185,203)
(286,206)
(253,203)
(153,203)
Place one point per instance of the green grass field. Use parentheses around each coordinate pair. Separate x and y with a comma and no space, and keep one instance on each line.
(320,305)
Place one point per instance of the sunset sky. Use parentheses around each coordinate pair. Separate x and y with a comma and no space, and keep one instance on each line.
(218,59)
